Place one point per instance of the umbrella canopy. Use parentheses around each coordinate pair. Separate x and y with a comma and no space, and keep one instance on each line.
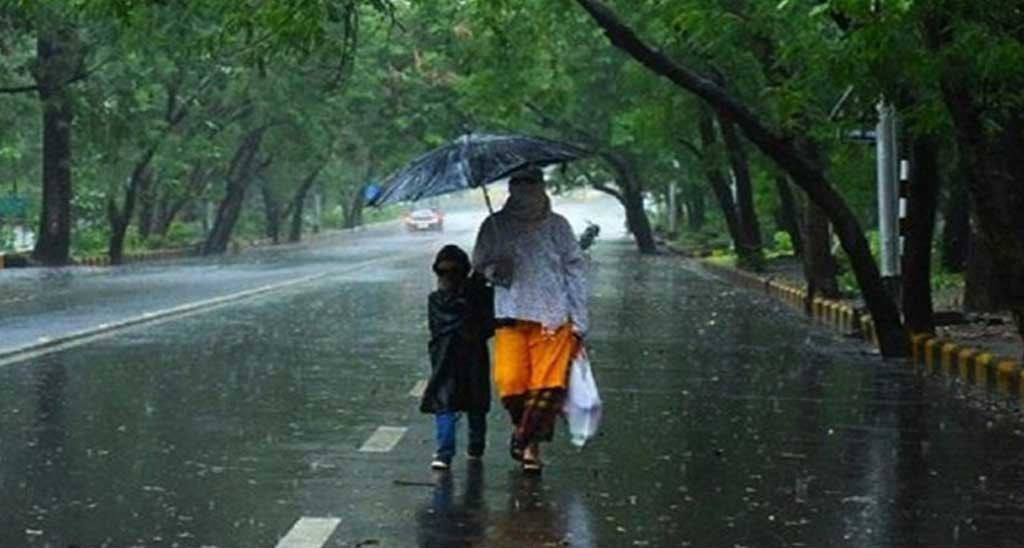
(470,161)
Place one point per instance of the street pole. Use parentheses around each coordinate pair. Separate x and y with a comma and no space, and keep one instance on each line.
(888,197)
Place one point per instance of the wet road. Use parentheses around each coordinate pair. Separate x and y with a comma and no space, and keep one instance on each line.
(729,422)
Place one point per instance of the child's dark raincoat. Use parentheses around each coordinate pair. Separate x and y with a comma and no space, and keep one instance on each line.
(461,321)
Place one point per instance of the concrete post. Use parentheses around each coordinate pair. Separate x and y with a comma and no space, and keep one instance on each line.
(888,191)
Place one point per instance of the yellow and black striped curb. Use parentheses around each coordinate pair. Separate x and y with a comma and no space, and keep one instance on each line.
(144,257)
(976,366)
(181,253)
(929,354)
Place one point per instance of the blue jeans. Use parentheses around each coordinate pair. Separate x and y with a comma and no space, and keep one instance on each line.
(446,425)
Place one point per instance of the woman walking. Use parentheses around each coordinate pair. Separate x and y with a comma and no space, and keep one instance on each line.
(532,257)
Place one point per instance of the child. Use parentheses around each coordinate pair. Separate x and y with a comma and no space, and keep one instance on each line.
(461,315)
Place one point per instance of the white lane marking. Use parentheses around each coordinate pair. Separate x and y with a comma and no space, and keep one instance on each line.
(384,439)
(47,345)
(309,533)
(418,389)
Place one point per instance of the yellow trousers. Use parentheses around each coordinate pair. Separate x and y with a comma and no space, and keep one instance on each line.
(526,358)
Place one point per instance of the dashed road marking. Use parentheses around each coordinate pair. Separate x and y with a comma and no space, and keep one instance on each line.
(309,533)
(384,439)
(418,389)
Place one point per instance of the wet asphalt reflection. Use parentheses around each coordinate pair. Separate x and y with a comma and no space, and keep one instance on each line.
(729,422)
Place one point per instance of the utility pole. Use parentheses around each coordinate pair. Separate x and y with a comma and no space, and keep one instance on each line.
(888,197)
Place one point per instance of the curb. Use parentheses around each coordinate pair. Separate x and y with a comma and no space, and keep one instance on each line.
(193,251)
(134,258)
(930,355)
(1001,376)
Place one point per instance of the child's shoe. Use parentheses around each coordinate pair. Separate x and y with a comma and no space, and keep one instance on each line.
(439,464)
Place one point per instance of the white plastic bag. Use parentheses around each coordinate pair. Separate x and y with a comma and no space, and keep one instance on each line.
(582,407)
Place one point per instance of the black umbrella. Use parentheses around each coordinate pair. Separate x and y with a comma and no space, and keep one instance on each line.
(470,161)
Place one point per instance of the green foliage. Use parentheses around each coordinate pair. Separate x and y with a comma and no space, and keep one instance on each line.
(356,88)
(782,243)
(6,238)
(89,241)
(179,234)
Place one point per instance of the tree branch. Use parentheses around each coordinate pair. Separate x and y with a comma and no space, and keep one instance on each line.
(562,126)
(20,89)
(692,148)
(780,148)
(602,187)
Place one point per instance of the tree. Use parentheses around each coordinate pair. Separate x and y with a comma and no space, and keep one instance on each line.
(59,62)
(778,146)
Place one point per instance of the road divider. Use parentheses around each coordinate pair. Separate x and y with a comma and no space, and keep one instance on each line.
(418,389)
(383,439)
(309,533)
(930,355)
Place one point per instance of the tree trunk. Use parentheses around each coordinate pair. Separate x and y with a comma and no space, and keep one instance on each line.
(354,208)
(917,259)
(820,266)
(892,338)
(57,62)
(239,176)
(696,208)
(637,221)
(118,229)
(751,246)
(147,208)
(121,218)
(271,212)
(956,229)
(299,202)
(632,200)
(718,182)
(198,180)
(1018,319)
(990,143)
(981,290)
(788,220)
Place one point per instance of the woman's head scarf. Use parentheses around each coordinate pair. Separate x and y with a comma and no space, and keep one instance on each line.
(528,205)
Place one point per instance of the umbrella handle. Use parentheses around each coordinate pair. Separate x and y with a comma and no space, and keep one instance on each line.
(487,199)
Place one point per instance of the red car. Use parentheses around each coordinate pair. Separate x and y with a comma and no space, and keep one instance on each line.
(424,219)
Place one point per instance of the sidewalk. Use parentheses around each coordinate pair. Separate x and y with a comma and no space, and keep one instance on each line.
(988,361)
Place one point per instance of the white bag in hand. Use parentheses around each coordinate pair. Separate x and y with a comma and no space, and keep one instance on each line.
(582,406)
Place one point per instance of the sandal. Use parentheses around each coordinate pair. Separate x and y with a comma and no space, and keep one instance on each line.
(515,450)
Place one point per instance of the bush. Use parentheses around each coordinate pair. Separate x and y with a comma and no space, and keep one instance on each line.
(6,238)
(382,214)
(783,243)
(333,218)
(87,241)
(179,234)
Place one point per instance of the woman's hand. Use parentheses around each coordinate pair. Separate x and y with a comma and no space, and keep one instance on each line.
(502,271)
(581,339)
